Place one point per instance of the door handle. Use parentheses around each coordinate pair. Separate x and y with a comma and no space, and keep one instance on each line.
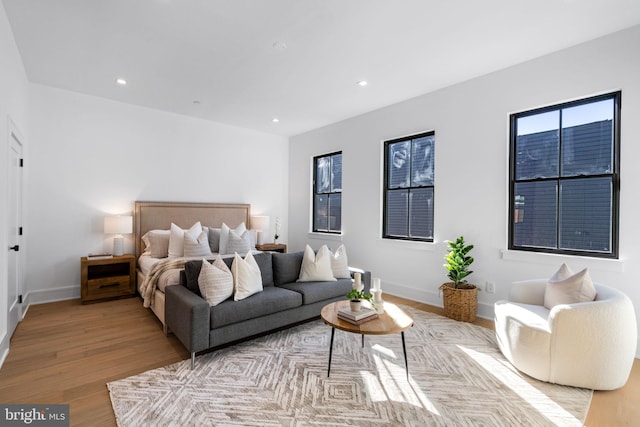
(14,248)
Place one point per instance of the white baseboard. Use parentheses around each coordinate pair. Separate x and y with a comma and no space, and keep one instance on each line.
(51,295)
(431,297)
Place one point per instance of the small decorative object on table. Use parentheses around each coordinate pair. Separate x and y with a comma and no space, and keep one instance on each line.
(356,294)
(378,303)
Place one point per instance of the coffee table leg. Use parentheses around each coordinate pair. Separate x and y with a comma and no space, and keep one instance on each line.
(404,349)
(362,340)
(333,331)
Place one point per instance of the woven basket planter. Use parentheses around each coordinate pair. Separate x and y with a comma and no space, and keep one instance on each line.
(460,304)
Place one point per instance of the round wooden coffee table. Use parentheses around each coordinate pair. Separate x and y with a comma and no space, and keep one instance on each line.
(392,321)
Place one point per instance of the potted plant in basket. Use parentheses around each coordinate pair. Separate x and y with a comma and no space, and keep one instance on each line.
(460,299)
(356,296)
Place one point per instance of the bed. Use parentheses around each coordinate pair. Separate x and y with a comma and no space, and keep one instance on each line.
(150,216)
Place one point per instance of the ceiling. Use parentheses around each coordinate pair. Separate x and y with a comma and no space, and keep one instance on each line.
(245,62)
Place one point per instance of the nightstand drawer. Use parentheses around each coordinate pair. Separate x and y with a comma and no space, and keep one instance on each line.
(107,286)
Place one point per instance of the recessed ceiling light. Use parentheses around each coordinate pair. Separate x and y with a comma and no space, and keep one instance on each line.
(362,83)
(121,81)
(275,120)
(196,102)
(279,45)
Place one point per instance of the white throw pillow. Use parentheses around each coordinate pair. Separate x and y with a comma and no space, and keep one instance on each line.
(238,243)
(564,287)
(316,267)
(340,264)
(156,243)
(224,236)
(176,240)
(197,247)
(247,278)
(215,281)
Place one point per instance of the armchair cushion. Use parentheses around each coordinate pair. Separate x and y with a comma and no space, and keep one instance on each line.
(564,287)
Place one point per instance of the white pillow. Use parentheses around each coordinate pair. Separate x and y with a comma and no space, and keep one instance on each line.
(197,247)
(215,281)
(340,264)
(156,243)
(176,240)
(316,267)
(247,278)
(564,287)
(224,236)
(238,243)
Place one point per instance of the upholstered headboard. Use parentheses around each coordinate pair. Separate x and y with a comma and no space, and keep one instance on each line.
(159,216)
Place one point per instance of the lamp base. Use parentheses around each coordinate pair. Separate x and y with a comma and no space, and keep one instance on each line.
(118,246)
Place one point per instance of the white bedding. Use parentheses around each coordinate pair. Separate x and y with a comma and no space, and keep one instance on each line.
(172,276)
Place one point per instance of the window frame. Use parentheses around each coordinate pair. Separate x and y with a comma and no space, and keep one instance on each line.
(616,97)
(314,192)
(386,190)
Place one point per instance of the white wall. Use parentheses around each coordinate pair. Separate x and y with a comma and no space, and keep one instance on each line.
(14,107)
(91,156)
(471,125)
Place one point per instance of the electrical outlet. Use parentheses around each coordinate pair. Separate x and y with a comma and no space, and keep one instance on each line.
(491,287)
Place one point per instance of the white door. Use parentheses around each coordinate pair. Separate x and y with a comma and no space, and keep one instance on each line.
(14,217)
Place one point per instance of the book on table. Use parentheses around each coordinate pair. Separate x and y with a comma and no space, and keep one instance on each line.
(365,312)
(358,322)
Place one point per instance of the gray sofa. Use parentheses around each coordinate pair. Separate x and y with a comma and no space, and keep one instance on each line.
(283,302)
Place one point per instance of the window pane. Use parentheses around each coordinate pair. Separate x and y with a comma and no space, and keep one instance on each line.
(336,172)
(536,207)
(397,213)
(587,139)
(421,213)
(585,214)
(335,212)
(537,146)
(321,215)
(422,161)
(323,174)
(399,157)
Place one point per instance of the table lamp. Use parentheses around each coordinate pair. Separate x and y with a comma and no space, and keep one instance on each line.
(118,225)
(261,224)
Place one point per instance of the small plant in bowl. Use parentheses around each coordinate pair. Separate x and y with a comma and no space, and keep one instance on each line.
(356,297)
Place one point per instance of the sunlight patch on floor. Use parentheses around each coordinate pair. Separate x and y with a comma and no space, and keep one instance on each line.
(390,382)
(510,378)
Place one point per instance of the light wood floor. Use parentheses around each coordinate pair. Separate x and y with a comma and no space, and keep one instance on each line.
(65,352)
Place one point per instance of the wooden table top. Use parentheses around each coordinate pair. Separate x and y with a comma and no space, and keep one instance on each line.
(392,321)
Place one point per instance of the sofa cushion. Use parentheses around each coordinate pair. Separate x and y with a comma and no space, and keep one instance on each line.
(271,300)
(192,271)
(340,263)
(286,267)
(319,291)
(316,267)
(247,279)
(215,281)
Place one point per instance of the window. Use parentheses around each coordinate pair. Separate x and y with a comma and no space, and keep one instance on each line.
(327,193)
(564,178)
(408,188)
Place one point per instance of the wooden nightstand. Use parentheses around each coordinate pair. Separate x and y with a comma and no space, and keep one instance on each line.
(107,278)
(272,247)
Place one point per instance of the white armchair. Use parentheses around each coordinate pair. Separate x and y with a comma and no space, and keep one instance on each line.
(588,344)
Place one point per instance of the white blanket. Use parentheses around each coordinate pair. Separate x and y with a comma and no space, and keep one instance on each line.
(150,283)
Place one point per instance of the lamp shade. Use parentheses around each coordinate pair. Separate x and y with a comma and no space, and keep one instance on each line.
(118,224)
(260,222)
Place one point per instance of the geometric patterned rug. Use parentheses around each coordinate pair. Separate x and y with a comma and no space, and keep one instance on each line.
(457,377)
